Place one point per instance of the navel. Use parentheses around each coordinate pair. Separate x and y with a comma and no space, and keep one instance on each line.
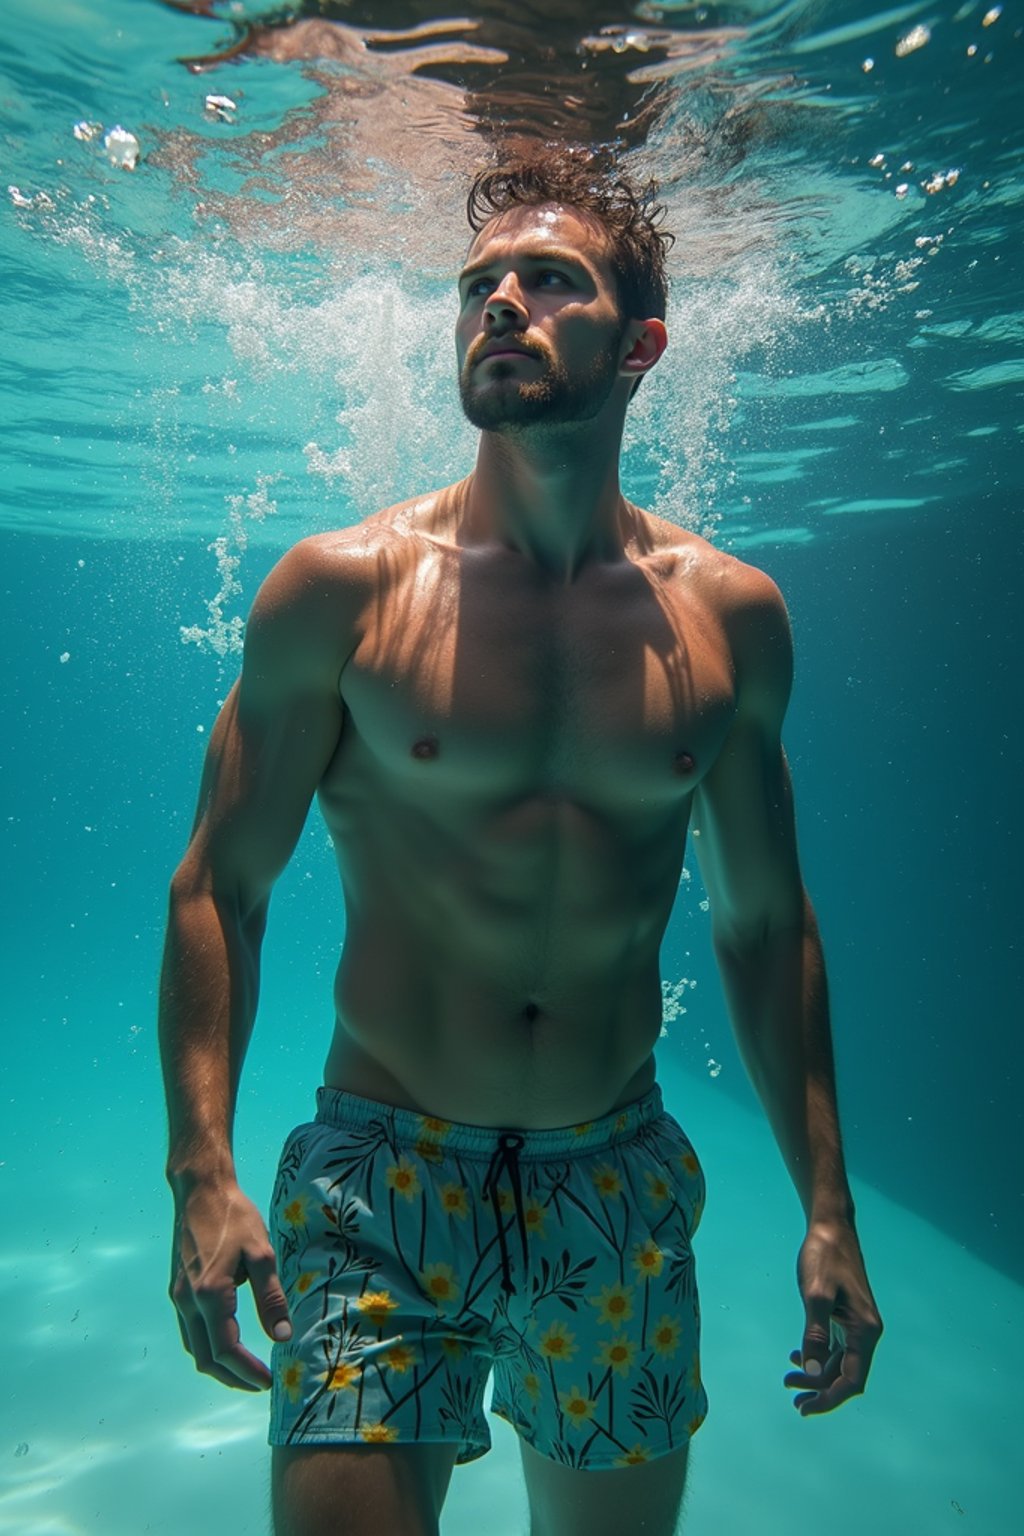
(531,1012)
(684,762)
(425,748)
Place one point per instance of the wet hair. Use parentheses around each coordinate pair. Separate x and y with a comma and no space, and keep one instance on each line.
(628,211)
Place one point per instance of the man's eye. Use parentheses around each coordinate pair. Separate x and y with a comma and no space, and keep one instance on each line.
(559,277)
(479,286)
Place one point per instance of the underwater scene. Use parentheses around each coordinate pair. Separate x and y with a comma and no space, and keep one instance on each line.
(230,233)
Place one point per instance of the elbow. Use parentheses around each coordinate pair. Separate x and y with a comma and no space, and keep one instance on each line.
(740,938)
(195,883)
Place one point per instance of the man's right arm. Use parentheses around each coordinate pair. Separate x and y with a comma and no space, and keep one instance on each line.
(268,751)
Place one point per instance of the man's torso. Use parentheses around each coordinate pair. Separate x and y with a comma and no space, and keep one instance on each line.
(509,802)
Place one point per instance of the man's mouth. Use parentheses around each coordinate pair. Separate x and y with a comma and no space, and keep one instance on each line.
(506,352)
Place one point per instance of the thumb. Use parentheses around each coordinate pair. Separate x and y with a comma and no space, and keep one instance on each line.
(817,1334)
(271,1303)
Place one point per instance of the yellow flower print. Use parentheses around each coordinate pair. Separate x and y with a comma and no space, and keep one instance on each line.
(576,1406)
(689,1164)
(558,1343)
(695,1381)
(291,1374)
(531,1386)
(620,1124)
(376,1306)
(607,1181)
(533,1215)
(403,1178)
(615,1303)
(583,1129)
(620,1355)
(440,1284)
(429,1151)
(648,1259)
(340,1376)
(455,1200)
(666,1335)
(294,1212)
(379,1434)
(658,1189)
(506,1204)
(634,1458)
(695,1423)
(307,1280)
(452,1347)
(430,1125)
(401,1358)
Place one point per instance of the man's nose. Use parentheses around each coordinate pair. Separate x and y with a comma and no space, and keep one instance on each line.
(505,307)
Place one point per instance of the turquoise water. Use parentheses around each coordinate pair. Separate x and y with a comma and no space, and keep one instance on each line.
(247,338)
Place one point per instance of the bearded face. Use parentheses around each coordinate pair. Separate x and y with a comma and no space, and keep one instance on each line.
(508,391)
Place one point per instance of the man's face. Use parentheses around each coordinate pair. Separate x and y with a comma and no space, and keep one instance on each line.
(539,336)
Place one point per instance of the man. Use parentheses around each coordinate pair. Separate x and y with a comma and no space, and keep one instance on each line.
(512,697)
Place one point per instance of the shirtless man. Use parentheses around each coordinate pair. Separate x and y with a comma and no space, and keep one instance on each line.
(512,698)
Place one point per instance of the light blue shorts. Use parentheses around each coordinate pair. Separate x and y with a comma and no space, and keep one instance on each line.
(419,1255)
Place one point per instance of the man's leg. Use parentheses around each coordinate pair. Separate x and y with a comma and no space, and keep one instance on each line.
(360,1490)
(646,1499)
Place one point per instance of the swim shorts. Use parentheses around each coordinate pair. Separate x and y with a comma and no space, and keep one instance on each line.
(418,1255)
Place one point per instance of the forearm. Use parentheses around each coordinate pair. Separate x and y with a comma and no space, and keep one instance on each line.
(778,1001)
(208,993)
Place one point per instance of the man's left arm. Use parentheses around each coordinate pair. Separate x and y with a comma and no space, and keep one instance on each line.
(773,973)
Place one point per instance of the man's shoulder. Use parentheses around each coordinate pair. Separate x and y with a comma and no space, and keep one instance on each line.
(353,561)
(735,588)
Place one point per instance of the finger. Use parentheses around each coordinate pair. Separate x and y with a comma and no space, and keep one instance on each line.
(810,1404)
(843,1377)
(230,1357)
(196,1340)
(217,1347)
(817,1333)
(809,1381)
(268,1294)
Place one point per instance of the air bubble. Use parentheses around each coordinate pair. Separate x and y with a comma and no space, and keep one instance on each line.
(917,37)
(221,108)
(123,149)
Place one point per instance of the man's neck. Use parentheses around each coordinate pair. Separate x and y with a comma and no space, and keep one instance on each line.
(552,496)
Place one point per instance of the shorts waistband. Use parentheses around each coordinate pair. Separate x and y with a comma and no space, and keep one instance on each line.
(407,1127)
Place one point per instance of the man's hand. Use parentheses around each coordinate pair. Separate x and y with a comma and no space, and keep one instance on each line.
(219,1243)
(842,1322)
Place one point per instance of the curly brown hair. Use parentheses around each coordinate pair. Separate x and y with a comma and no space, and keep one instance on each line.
(628,212)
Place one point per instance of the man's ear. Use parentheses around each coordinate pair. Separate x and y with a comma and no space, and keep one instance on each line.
(649,340)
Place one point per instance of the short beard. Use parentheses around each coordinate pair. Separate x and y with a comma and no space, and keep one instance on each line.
(552,399)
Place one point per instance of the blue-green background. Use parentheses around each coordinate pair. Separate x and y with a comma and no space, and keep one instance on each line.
(841,404)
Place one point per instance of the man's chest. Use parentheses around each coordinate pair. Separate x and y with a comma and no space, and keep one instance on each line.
(606,690)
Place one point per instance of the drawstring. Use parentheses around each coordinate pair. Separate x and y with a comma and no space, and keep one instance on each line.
(507,1159)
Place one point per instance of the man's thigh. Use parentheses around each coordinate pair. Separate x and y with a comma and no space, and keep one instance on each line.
(646,1499)
(360,1490)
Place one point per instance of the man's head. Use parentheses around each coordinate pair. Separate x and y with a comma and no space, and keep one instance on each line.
(629,215)
(567,269)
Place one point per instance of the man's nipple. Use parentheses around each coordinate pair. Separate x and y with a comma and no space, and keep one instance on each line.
(425,748)
(684,763)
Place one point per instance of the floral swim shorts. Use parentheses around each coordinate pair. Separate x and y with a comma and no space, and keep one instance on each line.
(418,1255)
